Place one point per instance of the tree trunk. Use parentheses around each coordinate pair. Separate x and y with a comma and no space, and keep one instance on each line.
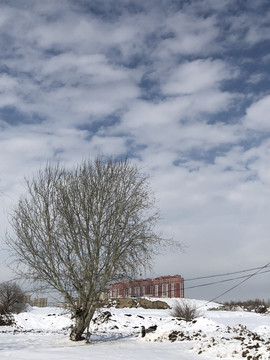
(78,330)
(82,323)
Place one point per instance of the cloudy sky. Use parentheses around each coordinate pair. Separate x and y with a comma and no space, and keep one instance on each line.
(181,86)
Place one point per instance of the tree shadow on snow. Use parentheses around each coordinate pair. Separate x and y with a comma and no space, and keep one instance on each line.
(104,338)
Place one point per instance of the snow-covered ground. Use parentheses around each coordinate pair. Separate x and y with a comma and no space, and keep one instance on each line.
(43,333)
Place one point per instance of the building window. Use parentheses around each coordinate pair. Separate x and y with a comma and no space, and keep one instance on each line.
(165,290)
(172,290)
(181,290)
(143,290)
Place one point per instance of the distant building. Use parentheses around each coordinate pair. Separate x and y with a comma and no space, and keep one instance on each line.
(163,286)
(26,299)
(40,302)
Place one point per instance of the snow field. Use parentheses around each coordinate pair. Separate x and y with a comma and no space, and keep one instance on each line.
(42,333)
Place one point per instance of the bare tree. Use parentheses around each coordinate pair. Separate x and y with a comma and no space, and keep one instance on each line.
(80,229)
(11,297)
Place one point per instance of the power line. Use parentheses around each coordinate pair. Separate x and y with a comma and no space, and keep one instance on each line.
(240,283)
(225,274)
(222,281)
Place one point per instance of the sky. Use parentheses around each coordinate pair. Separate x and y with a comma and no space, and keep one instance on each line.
(180,87)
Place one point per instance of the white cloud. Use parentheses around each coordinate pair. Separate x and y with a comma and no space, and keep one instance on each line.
(8,88)
(196,76)
(258,33)
(192,35)
(89,69)
(176,124)
(256,78)
(257,115)
(257,159)
(218,215)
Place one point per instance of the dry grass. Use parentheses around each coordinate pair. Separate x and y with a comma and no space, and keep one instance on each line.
(185,311)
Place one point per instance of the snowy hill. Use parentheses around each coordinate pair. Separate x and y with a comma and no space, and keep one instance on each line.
(42,333)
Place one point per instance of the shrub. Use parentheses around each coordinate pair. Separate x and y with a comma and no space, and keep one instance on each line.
(11,298)
(185,311)
(257,305)
(7,320)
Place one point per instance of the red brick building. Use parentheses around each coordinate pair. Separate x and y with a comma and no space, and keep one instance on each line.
(163,286)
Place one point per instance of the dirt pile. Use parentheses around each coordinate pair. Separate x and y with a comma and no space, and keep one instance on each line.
(134,303)
(257,306)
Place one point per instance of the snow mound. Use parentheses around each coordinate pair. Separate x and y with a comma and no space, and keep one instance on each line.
(201,305)
(212,339)
(46,319)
